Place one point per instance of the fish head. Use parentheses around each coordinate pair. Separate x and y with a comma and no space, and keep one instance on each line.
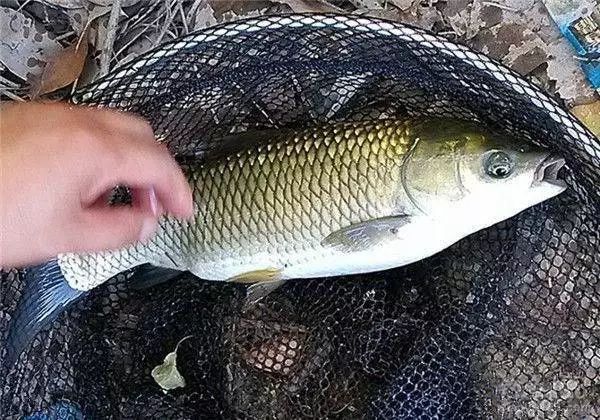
(463,170)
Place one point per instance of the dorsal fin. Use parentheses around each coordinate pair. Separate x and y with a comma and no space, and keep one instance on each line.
(235,143)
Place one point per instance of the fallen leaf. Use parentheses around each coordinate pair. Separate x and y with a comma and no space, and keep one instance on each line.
(80,18)
(522,34)
(589,115)
(422,16)
(428,17)
(204,17)
(527,53)
(301,6)
(368,4)
(571,83)
(66,4)
(97,26)
(124,3)
(166,374)
(25,46)
(62,69)
(464,17)
(403,4)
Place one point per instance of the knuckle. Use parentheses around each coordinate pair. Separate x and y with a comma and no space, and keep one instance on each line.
(143,125)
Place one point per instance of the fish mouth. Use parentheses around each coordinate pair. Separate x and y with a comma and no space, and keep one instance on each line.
(548,171)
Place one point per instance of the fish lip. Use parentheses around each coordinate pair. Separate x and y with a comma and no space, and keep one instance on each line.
(548,170)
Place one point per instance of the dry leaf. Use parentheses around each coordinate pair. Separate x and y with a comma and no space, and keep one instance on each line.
(204,16)
(527,52)
(66,4)
(464,16)
(108,3)
(62,69)
(403,4)
(301,6)
(571,83)
(80,18)
(25,46)
(166,374)
(368,4)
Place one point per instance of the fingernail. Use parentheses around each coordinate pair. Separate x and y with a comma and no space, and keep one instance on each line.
(153,202)
(148,229)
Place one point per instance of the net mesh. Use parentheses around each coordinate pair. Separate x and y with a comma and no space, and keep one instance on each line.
(506,323)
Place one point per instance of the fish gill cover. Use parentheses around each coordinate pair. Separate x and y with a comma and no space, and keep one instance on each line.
(506,323)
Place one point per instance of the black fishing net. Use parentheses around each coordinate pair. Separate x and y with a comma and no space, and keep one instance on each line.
(505,324)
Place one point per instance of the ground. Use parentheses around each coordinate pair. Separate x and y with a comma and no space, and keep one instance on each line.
(52,44)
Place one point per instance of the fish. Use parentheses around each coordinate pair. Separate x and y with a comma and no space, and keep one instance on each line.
(326,200)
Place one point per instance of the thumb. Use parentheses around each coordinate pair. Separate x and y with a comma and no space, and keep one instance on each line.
(112,228)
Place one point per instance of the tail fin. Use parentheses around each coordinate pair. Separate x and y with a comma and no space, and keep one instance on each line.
(62,410)
(46,295)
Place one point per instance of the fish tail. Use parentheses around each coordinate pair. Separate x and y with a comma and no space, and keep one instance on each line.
(45,296)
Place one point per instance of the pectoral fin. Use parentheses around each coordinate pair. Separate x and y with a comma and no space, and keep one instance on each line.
(259,291)
(262,282)
(365,235)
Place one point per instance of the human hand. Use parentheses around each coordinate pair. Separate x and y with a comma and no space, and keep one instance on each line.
(58,163)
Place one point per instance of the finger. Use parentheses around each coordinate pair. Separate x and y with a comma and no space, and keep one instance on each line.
(144,165)
(143,162)
(111,228)
(144,199)
(110,118)
(155,167)
(124,122)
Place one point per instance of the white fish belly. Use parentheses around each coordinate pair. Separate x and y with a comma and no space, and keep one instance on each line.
(421,239)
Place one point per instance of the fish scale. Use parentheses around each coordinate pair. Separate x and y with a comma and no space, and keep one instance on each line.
(284,206)
(277,200)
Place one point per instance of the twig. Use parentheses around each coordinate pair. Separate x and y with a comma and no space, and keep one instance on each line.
(140,16)
(183,19)
(21,7)
(11,95)
(168,20)
(144,28)
(82,38)
(499,6)
(65,35)
(137,38)
(138,23)
(6,88)
(8,84)
(113,20)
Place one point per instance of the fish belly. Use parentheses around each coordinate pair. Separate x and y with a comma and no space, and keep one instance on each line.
(422,238)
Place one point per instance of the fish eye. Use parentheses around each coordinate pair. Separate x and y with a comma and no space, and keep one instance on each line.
(499,165)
